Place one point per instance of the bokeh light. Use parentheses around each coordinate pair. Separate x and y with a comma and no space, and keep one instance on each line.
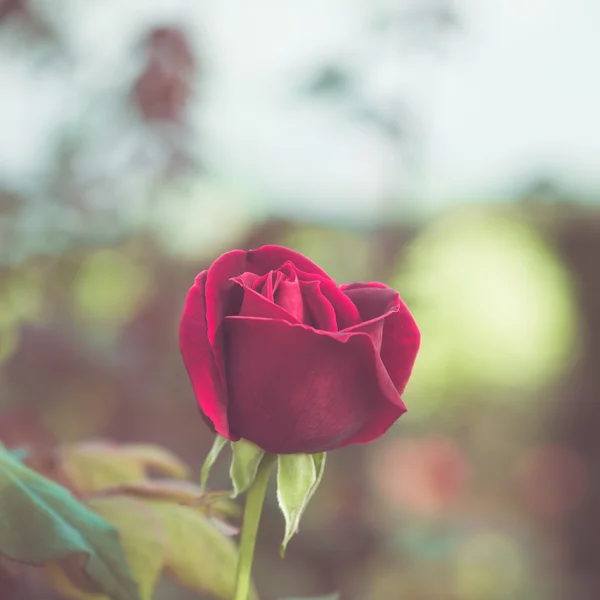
(199,218)
(108,289)
(494,306)
(421,475)
(489,565)
(344,254)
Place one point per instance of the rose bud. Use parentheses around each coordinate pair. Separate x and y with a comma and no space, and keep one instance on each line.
(280,355)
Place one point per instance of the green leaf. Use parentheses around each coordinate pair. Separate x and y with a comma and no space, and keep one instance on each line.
(143,537)
(198,555)
(20,454)
(216,504)
(42,523)
(209,461)
(298,477)
(96,466)
(161,460)
(244,464)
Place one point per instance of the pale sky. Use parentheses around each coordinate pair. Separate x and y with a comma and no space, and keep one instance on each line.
(515,92)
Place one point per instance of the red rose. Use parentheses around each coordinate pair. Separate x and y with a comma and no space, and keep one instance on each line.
(282,356)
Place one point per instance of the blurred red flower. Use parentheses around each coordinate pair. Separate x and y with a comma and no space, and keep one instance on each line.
(424,475)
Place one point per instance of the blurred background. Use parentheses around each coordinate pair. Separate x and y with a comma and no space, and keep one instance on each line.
(450,149)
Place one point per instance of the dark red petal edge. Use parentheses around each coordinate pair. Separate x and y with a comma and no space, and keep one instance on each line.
(219,298)
(401,336)
(270,258)
(199,359)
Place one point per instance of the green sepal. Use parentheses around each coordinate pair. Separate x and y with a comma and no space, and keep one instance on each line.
(244,465)
(298,477)
(210,459)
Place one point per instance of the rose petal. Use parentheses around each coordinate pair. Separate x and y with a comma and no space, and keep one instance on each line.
(256,305)
(345,311)
(223,296)
(220,301)
(267,284)
(375,428)
(320,309)
(401,337)
(289,297)
(289,270)
(296,390)
(370,304)
(271,258)
(247,279)
(374,314)
(199,360)
(373,328)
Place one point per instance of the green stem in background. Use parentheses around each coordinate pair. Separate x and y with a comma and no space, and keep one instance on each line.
(252,511)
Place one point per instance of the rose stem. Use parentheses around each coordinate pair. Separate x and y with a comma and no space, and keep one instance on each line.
(252,511)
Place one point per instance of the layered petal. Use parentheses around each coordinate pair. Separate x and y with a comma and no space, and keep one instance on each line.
(373,328)
(256,305)
(223,296)
(346,313)
(270,258)
(289,297)
(267,284)
(373,315)
(296,390)
(400,339)
(247,279)
(321,312)
(199,359)
(371,299)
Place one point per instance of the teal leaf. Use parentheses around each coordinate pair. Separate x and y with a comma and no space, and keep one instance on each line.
(244,465)
(298,476)
(41,522)
(209,461)
(19,454)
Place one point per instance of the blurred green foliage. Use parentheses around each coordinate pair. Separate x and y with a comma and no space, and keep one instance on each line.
(115,525)
(485,489)
(42,523)
(451,504)
(494,305)
(108,289)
